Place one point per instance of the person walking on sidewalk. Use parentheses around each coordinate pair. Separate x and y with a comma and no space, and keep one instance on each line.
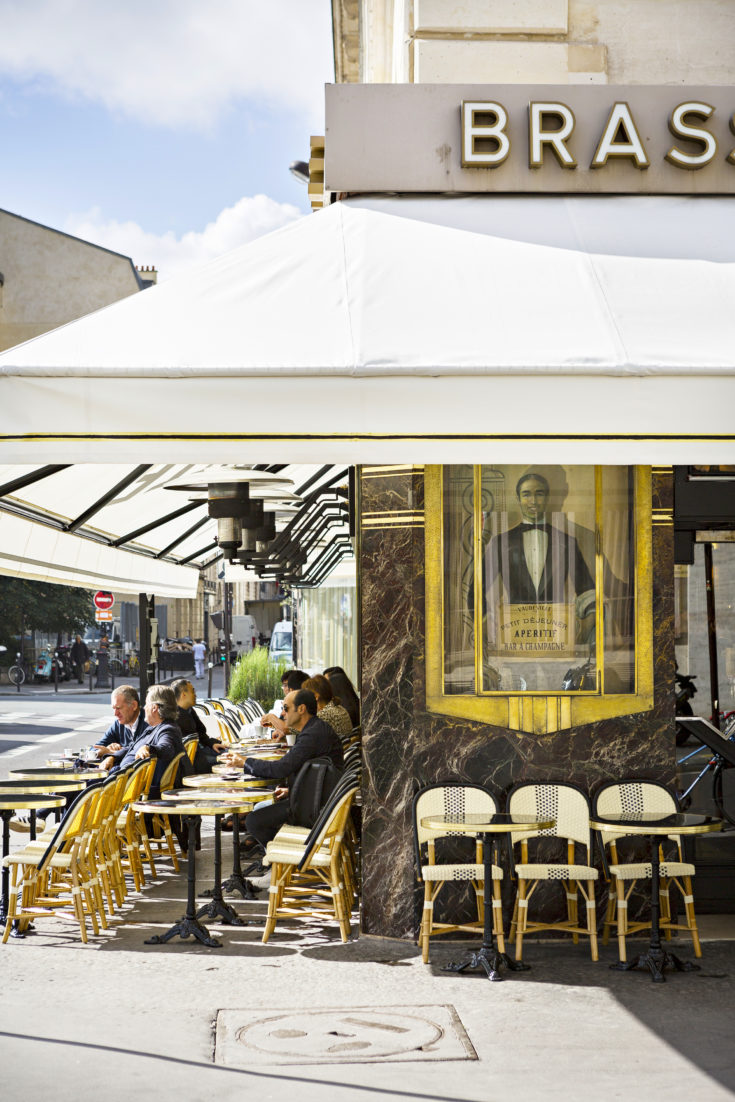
(200,653)
(79,655)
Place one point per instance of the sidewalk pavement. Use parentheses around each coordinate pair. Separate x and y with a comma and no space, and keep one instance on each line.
(118,1018)
(46,690)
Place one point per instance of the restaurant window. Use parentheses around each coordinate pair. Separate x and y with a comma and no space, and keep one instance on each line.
(538,593)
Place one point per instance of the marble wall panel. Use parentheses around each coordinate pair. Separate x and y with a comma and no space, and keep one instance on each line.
(406,748)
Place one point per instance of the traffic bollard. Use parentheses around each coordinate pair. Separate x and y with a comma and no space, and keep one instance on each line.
(18,660)
(92,664)
(56,671)
(209,687)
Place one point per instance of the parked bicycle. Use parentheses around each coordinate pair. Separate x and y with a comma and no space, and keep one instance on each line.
(18,672)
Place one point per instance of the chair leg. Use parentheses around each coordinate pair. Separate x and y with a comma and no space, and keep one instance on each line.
(572,907)
(691,917)
(665,903)
(513,921)
(621,917)
(498,916)
(592,919)
(274,891)
(522,909)
(426,922)
(609,915)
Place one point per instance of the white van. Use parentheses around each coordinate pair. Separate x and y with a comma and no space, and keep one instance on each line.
(281,644)
(244,634)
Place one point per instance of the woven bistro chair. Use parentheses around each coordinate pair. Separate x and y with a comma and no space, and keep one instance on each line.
(447,799)
(644,796)
(161,822)
(322,857)
(568,805)
(131,829)
(191,745)
(43,880)
(293,835)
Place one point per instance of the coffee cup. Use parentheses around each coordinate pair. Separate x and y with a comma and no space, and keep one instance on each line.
(290,738)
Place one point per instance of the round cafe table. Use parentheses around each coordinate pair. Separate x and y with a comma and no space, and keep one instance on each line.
(18,801)
(487,957)
(654,826)
(64,788)
(248,791)
(191,811)
(56,773)
(50,774)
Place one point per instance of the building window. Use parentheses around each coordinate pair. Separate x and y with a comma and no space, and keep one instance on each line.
(538,593)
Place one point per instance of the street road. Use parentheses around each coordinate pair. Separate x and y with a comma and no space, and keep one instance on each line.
(33,727)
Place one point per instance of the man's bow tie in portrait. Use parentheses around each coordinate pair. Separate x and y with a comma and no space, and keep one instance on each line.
(526,527)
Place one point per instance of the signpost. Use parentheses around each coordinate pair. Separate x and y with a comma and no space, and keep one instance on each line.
(103,601)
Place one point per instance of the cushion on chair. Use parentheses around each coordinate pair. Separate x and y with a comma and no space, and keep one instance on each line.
(643,870)
(556,872)
(458,872)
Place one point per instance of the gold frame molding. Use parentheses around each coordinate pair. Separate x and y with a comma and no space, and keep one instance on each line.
(533,712)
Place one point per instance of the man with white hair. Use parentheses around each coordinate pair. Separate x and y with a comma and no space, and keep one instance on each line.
(129,724)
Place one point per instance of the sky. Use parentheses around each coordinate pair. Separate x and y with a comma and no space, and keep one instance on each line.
(162,129)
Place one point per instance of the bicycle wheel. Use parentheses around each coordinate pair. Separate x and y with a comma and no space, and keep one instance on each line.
(17,675)
(116,666)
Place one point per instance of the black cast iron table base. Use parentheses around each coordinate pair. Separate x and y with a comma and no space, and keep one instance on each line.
(219,908)
(236,882)
(656,962)
(184,928)
(189,925)
(489,960)
(656,958)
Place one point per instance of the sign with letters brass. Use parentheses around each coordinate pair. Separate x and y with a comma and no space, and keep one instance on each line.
(624,139)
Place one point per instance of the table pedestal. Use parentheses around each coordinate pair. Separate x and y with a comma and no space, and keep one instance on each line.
(236,882)
(7,816)
(487,958)
(218,908)
(189,925)
(656,958)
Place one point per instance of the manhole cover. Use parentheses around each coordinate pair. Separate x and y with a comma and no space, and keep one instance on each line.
(358,1035)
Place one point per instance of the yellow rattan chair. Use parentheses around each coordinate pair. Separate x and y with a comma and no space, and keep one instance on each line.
(311,879)
(161,823)
(46,880)
(568,805)
(446,799)
(644,796)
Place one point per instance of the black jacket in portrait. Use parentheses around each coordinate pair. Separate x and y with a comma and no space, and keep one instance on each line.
(564,564)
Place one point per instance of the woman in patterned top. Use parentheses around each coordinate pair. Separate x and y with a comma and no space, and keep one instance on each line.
(328,706)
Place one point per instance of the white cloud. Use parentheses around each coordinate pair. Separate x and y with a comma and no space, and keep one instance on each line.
(173,62)
(247,219)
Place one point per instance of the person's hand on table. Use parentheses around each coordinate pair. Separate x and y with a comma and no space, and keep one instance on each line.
(107,763)
(232,758)
(144,752)
(218,747)
(280,793)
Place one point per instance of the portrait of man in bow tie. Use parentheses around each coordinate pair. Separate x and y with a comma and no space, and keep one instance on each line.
(537,562)
(540,591)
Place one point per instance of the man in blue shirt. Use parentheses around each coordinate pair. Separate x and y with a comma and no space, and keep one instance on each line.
(129,724)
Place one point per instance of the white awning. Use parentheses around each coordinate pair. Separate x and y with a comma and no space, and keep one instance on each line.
(423,330)
(98,525)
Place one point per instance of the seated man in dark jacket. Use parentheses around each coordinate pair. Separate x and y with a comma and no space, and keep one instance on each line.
(129,723)
(315,739)
(190,723)
(160,740)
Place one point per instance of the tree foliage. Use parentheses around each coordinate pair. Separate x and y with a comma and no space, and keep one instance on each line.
(40,606)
